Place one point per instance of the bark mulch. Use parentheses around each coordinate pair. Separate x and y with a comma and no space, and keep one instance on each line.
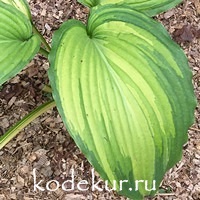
(45,143)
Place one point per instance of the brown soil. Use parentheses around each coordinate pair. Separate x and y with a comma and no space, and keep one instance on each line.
(45,143)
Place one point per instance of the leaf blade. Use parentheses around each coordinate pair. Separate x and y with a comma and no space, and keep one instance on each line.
(149,7)
(121,107)
(21,5)
(18,44)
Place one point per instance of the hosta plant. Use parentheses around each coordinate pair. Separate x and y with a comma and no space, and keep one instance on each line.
(122,86)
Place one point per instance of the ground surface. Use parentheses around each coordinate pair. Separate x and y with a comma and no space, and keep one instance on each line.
(46,145)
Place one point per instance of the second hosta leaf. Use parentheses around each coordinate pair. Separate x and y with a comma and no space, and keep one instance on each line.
(18,45)
(150,7)
(124,91)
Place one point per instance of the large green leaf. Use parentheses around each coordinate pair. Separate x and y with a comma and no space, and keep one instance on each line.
(150,7)
(18,45)
(21,5)
(124,91)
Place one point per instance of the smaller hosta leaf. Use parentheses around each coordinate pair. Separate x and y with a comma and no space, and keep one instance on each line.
(21,5)
(150,7)
(18,45)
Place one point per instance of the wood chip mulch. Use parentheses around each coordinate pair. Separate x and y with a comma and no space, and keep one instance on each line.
(45,143)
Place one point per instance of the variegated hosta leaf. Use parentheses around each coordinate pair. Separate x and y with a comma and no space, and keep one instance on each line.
(124,91)
(150,7)
(17,43)
(21,5)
